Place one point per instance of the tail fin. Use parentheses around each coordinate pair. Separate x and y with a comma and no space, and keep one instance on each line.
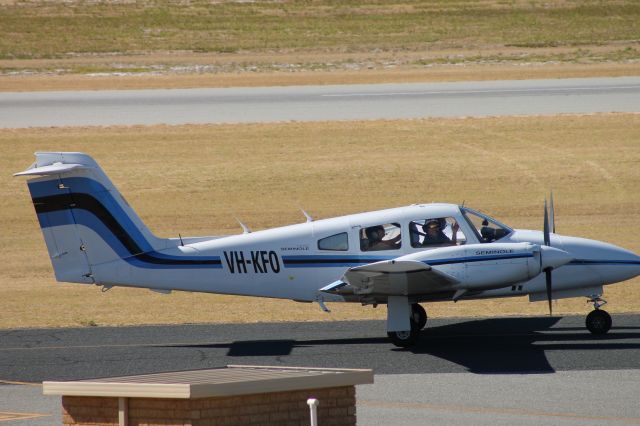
(84,219)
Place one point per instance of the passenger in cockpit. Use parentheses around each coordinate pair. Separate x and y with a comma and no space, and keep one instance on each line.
(375,235)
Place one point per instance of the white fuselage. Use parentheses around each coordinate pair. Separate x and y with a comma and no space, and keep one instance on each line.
(286,262)
(399,257)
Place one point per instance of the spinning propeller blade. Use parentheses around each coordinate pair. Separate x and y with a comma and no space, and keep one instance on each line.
(552,219)
(547,242)
(547,273)
(547,238)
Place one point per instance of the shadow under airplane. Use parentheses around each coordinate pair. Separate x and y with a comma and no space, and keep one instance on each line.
(483,346)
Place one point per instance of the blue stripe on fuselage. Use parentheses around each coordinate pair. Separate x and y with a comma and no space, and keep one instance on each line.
(355,260)
(142,256)
(470,259)
(324,261)
(82,185)
(603,262)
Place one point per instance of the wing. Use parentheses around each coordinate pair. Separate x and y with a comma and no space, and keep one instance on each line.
(392,278)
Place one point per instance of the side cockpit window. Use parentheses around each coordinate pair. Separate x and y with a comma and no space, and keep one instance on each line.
(437,231)
(488,229)
(380,237)
(337,242)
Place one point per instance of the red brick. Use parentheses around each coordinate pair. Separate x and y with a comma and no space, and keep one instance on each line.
(338,412)
(277,417)
(299,414)
(338,393)
(282,408)
(328,402)
(345,402)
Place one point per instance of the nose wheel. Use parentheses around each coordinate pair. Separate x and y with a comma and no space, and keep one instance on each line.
(598,321)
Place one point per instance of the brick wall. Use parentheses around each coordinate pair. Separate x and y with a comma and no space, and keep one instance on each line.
(337,408)
(89,411)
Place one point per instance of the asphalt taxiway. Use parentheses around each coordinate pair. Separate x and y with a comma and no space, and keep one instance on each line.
(532,370)
(313,103)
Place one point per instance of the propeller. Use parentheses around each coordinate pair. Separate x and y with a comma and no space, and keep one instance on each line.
(552,220)
(547,242)
(553,257)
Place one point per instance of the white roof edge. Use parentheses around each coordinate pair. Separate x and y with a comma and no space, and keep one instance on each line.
(280,367)
(130,390)
(243,384)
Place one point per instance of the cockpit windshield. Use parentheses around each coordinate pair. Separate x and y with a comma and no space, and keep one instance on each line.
(486,228)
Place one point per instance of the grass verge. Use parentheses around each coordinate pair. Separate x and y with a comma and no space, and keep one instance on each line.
(323,41)
(55,29)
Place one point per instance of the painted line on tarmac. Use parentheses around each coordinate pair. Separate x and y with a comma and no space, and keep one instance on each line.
(6,416)
(124,345)
(471,92)
(13,382)
(490,410)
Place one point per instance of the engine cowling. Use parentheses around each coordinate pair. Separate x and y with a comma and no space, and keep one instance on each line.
(485,267)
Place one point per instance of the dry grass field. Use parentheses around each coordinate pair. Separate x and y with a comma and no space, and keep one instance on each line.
(396,74)
(193,180)
(75,44)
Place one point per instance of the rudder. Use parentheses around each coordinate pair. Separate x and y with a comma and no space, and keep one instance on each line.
(85,220)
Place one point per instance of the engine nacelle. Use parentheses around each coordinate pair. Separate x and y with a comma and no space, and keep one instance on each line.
(485,267)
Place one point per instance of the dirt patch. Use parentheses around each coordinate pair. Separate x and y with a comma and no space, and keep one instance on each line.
(188,70)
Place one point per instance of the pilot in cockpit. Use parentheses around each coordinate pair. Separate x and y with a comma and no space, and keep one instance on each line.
(433,234)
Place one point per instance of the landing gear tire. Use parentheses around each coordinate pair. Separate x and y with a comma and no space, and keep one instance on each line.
(418,316)
(598,321)
(404,339)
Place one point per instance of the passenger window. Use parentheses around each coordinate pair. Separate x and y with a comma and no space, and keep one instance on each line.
(337,242)
(438,231)
(381,237)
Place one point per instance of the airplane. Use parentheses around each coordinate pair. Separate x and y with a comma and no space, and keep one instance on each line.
(399,257)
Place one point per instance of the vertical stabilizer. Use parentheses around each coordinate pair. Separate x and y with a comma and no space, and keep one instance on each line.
(84,219)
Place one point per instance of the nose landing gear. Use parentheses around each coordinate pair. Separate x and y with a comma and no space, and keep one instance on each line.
(598,321)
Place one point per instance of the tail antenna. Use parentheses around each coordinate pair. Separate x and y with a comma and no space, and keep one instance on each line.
(309,218)
(245,228)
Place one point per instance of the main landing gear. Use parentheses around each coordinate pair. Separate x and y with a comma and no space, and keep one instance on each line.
(418,316)
(418,320)
(404,339)
(598,321)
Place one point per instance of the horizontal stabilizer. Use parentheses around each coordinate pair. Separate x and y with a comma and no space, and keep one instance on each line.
(52,169)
